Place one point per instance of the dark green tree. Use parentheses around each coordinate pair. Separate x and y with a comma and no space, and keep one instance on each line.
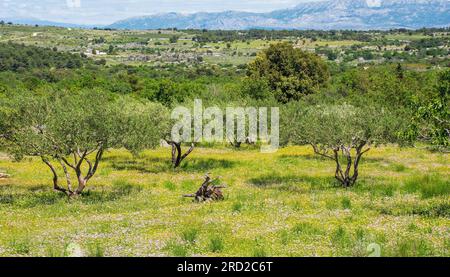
(291,73)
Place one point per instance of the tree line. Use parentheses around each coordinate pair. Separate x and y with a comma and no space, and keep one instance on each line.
(19,57)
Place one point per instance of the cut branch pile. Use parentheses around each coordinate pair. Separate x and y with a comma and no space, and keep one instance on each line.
(208,191)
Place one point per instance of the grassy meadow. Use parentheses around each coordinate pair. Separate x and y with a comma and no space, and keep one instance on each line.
(281,204)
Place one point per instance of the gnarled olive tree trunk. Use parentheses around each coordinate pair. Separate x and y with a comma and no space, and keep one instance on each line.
(346,173)
(177,154)
(79,159)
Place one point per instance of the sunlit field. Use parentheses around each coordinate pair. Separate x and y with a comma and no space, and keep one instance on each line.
(282,204)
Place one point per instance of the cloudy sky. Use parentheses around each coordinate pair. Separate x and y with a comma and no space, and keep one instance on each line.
(108,11)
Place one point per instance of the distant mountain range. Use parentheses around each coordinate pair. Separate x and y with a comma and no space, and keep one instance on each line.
(325,15)
(33,21)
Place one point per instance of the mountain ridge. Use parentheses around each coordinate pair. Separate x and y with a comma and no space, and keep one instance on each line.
(342,14)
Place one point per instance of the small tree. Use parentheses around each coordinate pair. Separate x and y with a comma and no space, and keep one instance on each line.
(72,131)
(342,133)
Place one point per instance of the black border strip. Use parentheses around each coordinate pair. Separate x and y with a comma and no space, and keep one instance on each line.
(308,266)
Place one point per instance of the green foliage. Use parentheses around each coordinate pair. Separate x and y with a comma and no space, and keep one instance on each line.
(169,186)
(340,236)
(55,125)
(21,245)
(237,207)
(18,57)
(256,88)
(346,203)
(431,118)
(331,126)
(291,73)
(259,252)
(305,228)
(169,92)
(412,248)
(381,85)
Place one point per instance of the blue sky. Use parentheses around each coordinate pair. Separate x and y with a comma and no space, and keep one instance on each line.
(108,11)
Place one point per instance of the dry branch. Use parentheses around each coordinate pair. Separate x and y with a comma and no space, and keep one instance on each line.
(208,191)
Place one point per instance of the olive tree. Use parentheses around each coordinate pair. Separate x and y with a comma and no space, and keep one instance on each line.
(342,133)
(72,131)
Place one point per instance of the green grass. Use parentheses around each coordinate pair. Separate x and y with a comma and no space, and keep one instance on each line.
(190,235)
(216,244)
(346,203)
(95,250)
(281,204)
(177,249)
(305,228)
(428,185)
(20,246)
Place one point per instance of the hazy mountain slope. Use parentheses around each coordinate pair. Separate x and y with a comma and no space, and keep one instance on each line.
(33,21)
(337,14)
